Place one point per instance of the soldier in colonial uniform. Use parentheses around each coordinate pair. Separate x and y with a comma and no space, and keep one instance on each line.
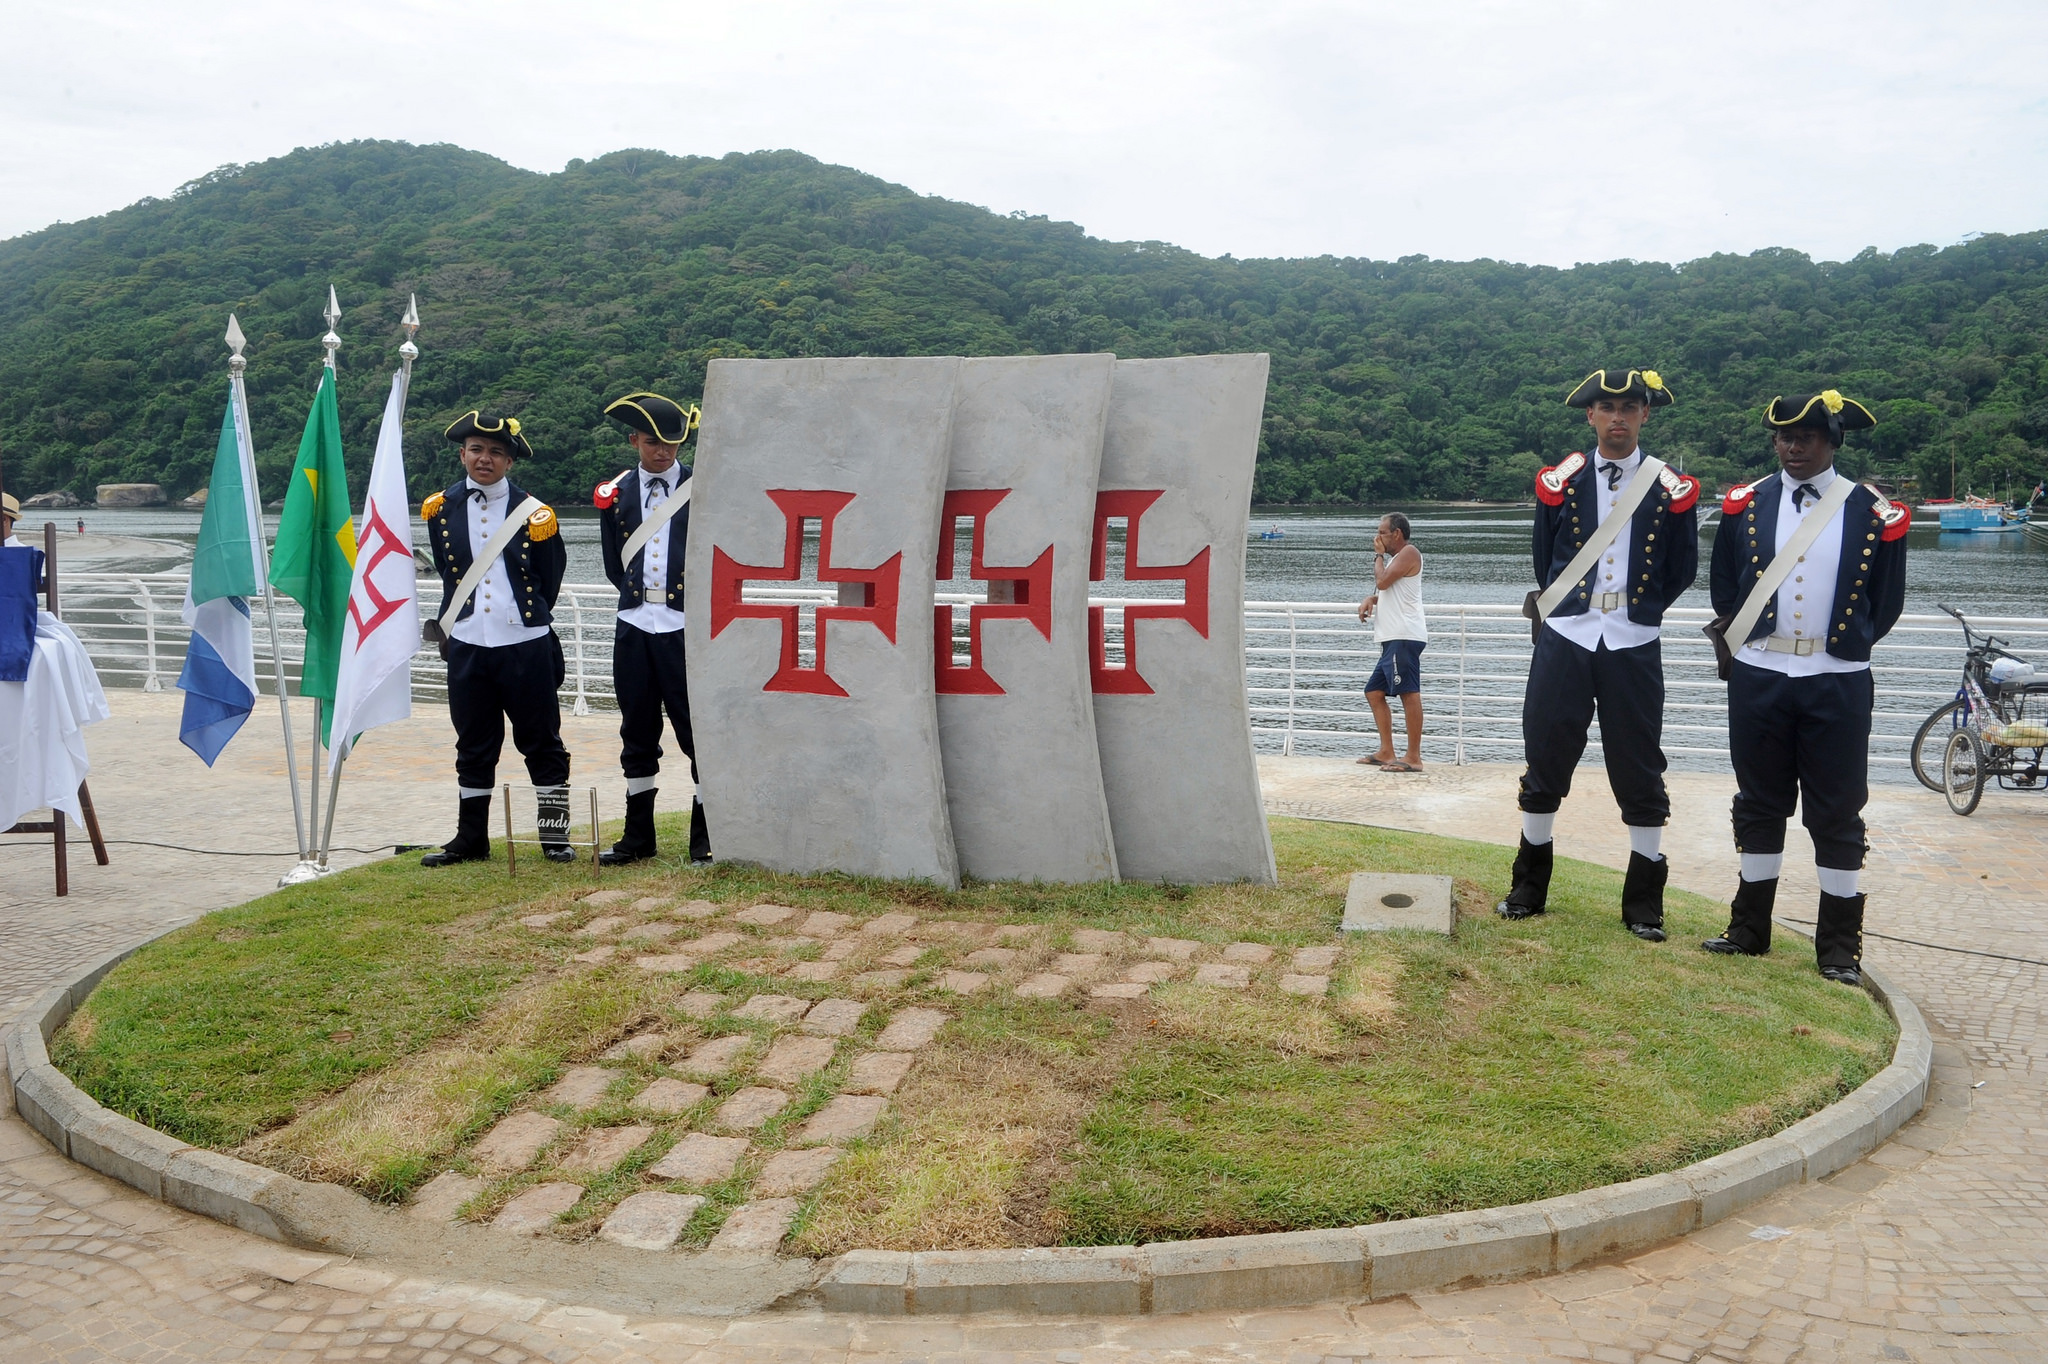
(647,645)
(1597,619)
(1799,684)
(500,551)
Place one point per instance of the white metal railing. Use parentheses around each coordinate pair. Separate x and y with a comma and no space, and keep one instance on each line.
(1305,664)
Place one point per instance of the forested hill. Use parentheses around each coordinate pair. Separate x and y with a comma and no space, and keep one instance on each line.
(547,294)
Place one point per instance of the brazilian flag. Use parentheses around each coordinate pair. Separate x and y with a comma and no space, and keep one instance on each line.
(315,557)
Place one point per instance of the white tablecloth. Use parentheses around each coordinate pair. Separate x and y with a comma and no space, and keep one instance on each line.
(42,726)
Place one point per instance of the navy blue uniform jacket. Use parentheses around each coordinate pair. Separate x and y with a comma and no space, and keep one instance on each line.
(535,560)
(1870,581)
(1662,542)
(619,501)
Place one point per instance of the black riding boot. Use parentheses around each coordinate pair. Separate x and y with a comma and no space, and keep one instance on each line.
(472,841)
(1530,891)
(1642,896)
(700,835)
(552,820)
(637,843)
(1749,920)
(1838,938)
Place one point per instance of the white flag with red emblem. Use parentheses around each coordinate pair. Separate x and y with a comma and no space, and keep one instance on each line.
(382,631)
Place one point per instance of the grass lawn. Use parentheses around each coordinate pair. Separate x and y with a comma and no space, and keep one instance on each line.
(366,1029)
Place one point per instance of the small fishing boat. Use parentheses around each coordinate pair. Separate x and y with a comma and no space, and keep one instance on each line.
(1981,515)
(1274,534)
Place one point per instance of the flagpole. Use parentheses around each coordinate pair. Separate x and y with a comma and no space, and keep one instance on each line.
(239,396)
(331,343)
(407,353)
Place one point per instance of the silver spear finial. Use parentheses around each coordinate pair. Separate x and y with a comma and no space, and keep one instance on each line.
(235,339)
(411,322)
(332,341)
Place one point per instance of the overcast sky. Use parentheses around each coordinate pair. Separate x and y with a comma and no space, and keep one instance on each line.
(1552,131)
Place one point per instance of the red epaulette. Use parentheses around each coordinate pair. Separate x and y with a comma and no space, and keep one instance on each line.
(1896,518)
(1683,489)
(608,491)
(1550,482)
(1739,497)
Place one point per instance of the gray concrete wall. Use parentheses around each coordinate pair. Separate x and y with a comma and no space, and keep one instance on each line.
(1023,780)
(1177,763)
(793,780)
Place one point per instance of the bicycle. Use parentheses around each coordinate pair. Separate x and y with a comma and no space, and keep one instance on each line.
(1991,723)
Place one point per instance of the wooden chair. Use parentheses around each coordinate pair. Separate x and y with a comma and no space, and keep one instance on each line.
(54,825)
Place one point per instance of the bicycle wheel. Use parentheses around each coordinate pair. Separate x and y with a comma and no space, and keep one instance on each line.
(1962,771)
(1929,772)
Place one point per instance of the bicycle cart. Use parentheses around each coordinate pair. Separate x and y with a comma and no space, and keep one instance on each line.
(1996,728)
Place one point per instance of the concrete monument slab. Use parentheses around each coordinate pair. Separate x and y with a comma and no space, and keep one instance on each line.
(831,761)
(1378,901)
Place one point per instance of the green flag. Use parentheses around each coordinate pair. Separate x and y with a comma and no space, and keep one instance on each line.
(224,564)
(315,555)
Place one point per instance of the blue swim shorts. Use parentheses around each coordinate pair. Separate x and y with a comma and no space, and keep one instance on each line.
(1399,670)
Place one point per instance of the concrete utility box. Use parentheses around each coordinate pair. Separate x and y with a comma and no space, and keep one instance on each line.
(1171,718)
(1378,901)
(1016,722)
(832,765)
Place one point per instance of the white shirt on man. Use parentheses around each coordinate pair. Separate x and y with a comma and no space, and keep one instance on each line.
(1593,627)
(1806,601)
(494,620)
(655,616)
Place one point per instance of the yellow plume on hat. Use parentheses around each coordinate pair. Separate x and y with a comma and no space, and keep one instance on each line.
(1652,379)
(1831,400)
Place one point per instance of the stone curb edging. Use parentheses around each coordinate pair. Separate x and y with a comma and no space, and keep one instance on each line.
(1278,1269)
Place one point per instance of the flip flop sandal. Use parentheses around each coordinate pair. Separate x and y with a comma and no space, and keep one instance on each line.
(1371,762)
(1398,766)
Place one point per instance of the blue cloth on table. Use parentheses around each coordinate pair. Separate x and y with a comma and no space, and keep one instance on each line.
(21,571)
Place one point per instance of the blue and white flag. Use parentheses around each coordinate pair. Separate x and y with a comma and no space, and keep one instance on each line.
(219,677)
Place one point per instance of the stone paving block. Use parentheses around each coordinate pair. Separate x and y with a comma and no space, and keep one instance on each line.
(1284,1269)
(905,955)
(911,1029)
(1429,1252)
(122,1149)
(649,904)
(651,1220)
(1223,975)
(1146,972)
(792,1058)
(789,1173)
(596,956)
(711,944)
(1314,986)
(608,897)
(580,1087)
(545,920)
(881,980)
(648,1046)
(841,949)
(601,925)
(1119,989)
(997,957)
(1836,1136)
(793,945)
(766,916)
(1062,1281)
(1098,940)
(654,932)
(715,1057)
(954,929)
(755,1228)
(750,1107)
(1248,953)
(1618,1218)
(878,1072)
(668,962)
(869,1282)
(963,982)
(701,1159)
(1734,1179)
(441,1197)
(824,923)
(846,1117)
(1315,961)
(667,1096)
(600,1148)
(1016,932)
(1077,963)
(534,1211)
(886,925)
(1179,949)
(700,1004)
(512,1145)
(773,1009)
(1044,985)
(225,1189)
(813,971)
(696,909)
(834,1017)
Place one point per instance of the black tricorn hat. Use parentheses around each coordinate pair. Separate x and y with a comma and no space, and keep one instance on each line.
(665,419)
(1826,411)
(506,429)
(1646,384)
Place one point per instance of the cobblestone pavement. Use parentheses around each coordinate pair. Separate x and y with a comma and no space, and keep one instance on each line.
(1931,1249)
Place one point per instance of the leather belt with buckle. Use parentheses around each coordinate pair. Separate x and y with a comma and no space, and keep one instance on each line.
(1607,601)
(1779,644)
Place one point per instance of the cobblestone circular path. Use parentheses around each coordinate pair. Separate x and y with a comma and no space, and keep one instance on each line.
(1934,1248)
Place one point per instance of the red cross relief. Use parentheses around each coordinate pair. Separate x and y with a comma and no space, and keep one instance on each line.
(1193,576)
(1029,587)
(878,588)
(376,531)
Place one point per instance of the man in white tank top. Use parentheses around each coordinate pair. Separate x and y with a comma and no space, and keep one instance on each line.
(1395,608)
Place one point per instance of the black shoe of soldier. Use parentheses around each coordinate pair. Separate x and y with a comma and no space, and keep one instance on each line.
(472,841)
(558,852)
(1647,932)
(619,855)
(1842,975)
(1529,891)
(454,853)
(1726,947)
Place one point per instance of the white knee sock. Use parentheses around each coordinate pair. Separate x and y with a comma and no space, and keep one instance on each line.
(635,785)
(470,792)
(1838,881)
(1647,839)
(1762,866)
(1536,828)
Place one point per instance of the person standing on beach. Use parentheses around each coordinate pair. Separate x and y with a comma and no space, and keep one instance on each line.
(1398,627)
